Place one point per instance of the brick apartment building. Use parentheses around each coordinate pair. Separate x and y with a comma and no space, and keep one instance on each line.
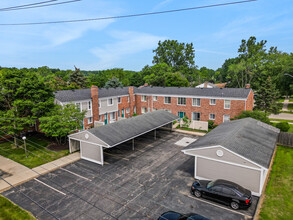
(105,106)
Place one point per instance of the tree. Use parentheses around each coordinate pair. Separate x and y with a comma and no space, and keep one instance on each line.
(25,97)
(176,79)
(113,83)
(61,121)
(155,75)
(266,97)
(77,78)
(258,115)
(174,54)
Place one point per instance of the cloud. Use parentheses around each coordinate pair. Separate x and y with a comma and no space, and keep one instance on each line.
(161,4)
(129,43)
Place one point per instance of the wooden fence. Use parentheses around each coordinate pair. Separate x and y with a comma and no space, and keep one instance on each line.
(285,139)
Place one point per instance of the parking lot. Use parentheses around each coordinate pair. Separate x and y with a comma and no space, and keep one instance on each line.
(140,184)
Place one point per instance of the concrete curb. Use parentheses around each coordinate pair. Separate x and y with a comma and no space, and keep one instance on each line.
(190,132)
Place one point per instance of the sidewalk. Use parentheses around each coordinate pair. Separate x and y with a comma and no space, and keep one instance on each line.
(190,132)
(285,105)
(20,174)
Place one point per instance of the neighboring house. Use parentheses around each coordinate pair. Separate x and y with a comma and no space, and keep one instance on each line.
(240,151)
(104,106)
(206,84)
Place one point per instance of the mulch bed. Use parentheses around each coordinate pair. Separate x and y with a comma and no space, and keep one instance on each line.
(57,147)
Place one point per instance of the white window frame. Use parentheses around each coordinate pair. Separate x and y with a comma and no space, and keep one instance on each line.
(196,105)
(89,105)
(143,98)
(193,114)
(143,112)
(181,98)
(79,106)
(127,110)
(211,101)
(224,118)
(155,98)
(227,100)
(212,118)
(111,101)
(119,99)
(112,114)
(168,98)
(90,120)
(100,103)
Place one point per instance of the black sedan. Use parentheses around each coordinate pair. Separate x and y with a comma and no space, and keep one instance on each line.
(170,215)
(223,191)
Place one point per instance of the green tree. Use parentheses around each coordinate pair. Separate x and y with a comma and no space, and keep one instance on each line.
(25,97)
(266,97)
(113,83)
(76,78)
(61,121)
(174,54)
(175,79)
(258,115)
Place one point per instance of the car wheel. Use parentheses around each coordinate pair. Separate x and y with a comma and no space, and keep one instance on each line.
(234,205)
(197,193)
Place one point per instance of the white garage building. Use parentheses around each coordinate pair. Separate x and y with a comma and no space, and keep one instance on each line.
(238,151)
(92,142)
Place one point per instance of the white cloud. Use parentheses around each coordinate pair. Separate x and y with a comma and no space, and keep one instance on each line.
(161,4)
(128,43)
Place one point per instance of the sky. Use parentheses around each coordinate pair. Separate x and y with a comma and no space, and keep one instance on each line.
(128,43)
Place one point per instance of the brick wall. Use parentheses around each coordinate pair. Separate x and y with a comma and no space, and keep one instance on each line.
(95,102)
(249,102)
(124,105)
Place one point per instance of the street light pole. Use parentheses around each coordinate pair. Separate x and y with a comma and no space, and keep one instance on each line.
(23,138)
(287,74)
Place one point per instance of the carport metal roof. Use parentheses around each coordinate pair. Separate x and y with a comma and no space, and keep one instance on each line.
(127,129)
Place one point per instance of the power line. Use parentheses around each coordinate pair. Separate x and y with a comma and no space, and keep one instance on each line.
(20,6)
(126,16)
(40,6)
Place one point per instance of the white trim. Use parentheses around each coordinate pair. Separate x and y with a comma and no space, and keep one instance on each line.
(196,105)
(210,116)
(91,160)
(108,102)
(215,101)
(88,142)
(200,148)
(192,96)
(165,100)
(229,118)
(113,97)
(142,99)
(181,98)
(225,104)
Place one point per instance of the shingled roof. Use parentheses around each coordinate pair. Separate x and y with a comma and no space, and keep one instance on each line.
(247,137)
(192,91)
(85,94)
(121,131)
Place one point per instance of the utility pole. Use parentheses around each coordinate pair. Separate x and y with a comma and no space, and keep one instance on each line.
(24,138)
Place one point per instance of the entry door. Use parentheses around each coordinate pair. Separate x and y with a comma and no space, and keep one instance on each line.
(106,118)
(122,113)
(181,114)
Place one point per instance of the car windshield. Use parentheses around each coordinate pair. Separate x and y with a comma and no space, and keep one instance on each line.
(210,184)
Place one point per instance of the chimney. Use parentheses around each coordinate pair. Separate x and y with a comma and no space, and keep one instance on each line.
(205,84)
(247,86)
(146,84)
(131,99)
(95,103)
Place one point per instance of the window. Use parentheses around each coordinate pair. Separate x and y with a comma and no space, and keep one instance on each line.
(196,116)
(90,105)
(119,99)
(134,110)
(143,98)
(196,102)
(90,120)
(99,104)
(112,116)
(143,110)
(228,191)
(127,110)
(227,104)
(181,101)
(127,98)
(217,189)
(226,118)
(212,116)
(110,102)
(212,101)
(118,113)
(167,100)
(78,106)
(155,98)
(100,117)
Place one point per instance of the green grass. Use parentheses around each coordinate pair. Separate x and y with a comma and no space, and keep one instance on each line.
(10,211)
(290,106)
(280,120)
(281,100)
(37,155)
(290,100)
(278,202)
(190,129)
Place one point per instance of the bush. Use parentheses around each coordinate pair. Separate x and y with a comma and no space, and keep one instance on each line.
(186,122)
(283,126)
(258,115)
(211,124)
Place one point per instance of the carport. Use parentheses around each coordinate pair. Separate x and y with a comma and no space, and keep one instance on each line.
(92,142)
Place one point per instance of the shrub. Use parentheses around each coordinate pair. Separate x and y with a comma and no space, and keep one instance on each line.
(211,124)
(258,115)
(283,126)
(186,122)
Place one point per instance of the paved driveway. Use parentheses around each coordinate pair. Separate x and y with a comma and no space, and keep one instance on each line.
(139,184)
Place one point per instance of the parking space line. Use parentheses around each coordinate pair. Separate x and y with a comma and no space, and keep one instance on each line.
(202,200)
(75,174)
(50,187)
(116,156)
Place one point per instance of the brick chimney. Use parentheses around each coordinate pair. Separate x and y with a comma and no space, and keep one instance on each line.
(131,99)
(247,86)
(205,84)
(95,101)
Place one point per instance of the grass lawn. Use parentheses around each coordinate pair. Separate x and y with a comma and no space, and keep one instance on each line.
(190,129)
(10,211)
(290,106)
(278,202)
(280,120)
(281,100)
(37,155)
